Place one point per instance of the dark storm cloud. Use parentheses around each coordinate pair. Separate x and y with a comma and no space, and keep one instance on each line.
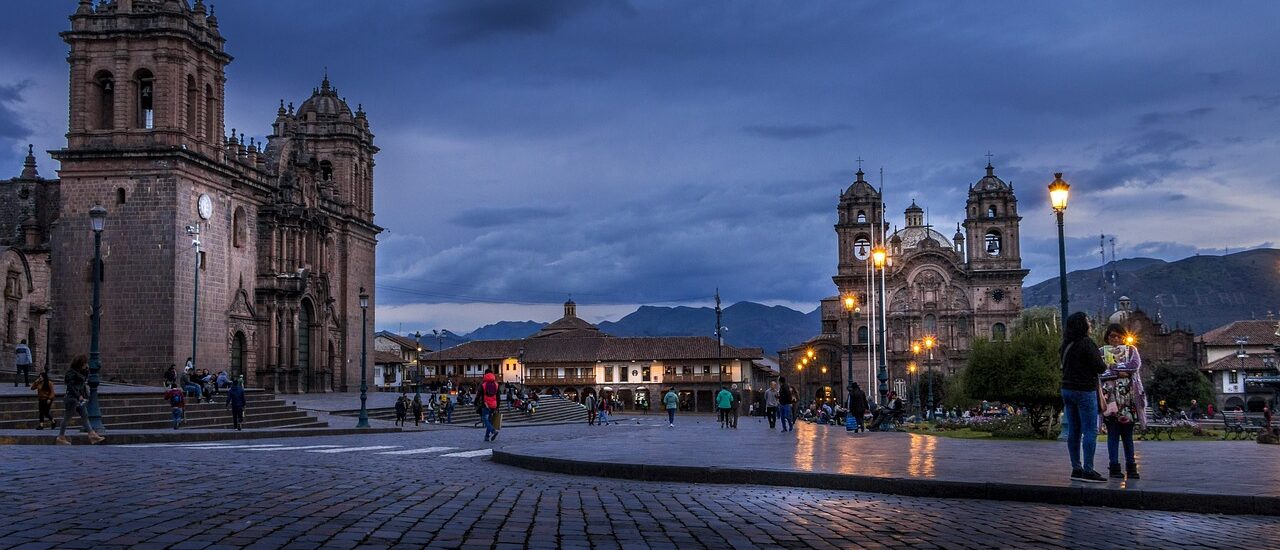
(475,20)
(1265,102)
(1153,119)
(494,216)
(787,132)
(12,125)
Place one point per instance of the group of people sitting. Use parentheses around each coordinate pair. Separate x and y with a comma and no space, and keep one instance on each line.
(525,403)
(198,383)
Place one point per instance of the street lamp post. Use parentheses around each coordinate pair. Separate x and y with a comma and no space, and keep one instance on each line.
(719,341)
(928,345)
(1058,192)
(97,221)
(364,382)
(880,257)
(194,231)
(852,310)
(913,371)
(417,366)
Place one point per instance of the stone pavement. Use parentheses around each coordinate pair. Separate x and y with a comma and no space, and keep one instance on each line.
(210,497)
(1239,477)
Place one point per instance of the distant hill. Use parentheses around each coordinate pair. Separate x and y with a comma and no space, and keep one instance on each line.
(749,325)
(1200,292)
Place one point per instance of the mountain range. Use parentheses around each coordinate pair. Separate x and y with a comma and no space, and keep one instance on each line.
(1198,293)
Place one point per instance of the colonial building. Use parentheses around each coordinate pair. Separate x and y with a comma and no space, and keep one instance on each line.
(395,359)
(1158,343)
(953,289)
(286,233)
(1232,354)
(573,358)
(28,206)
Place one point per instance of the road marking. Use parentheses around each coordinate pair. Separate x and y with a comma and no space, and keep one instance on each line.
(418,451)
(470,454)
(222,446)
(305,447)
(353,449)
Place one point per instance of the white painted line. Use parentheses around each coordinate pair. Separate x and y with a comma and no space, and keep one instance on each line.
(471,454)
(302,448)
(175,445)
(418,451)
(221,447)
(353,449)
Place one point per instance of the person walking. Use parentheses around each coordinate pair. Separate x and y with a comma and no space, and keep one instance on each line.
(448,408)
(44,397)
(22,360)
(74,399)
(602,410)
(416,408)
(786,399)
(489,404)
(671,401)
(771,405)
(177,404)
(236,401)
(724,402)
(1081,365)
(858,407)
(590,404)
(402,410)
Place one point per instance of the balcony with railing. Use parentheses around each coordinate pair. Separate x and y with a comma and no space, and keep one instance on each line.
(561,380)
(695,378)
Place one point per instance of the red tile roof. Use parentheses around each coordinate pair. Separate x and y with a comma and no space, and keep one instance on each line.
(593,349)
(1260,332)
(387,357)
(1255,361)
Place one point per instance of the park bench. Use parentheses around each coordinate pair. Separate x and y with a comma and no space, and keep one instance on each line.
(1156,425)
(1236,425)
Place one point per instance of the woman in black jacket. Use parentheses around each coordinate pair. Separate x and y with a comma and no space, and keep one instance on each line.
(1081,365)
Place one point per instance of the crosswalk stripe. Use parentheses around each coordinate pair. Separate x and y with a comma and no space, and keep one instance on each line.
(352,449)
(418,451)
(302,448)
(470,454)
(220,447)
(174,445)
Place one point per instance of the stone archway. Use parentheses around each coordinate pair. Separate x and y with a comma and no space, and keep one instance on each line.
(1234,403)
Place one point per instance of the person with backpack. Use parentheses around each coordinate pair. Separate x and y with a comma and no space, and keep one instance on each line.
(177,404)
(236,402)
(488,404)
(416,409)
(74,399)
(44,395)
(671,401)
(1081,364)
(786,399)
(402,410)
(22,359)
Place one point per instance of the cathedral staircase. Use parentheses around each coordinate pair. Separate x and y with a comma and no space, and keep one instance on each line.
(551,410)
(147,410)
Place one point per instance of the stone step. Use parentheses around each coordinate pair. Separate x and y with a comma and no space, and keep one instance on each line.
(167,416)
(110,410)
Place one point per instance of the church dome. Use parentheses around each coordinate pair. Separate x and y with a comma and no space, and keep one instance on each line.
(860,188)
(914,237)
(991,182)
(324,102)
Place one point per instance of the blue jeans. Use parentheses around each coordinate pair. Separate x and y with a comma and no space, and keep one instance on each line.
(1117,433)
(486,416)
(192,389)
(784,414)
(177,417)
(1081,410)
(671,416)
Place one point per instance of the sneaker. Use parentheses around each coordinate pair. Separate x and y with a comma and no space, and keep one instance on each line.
(671,425)
(1091,476)
(1115,472)
(1132,469)
(62,440)
(495,437)
(94,438)
(1077,474)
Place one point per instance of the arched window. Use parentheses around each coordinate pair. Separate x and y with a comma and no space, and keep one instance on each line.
(994,243)
(991,211)
(119,195)
(862,333)
(193,96)
(239,228)
(997,332)
(210,115)
(145,83)
(238,344)
(104,86)
(862,216)
(930,324)
(326,170)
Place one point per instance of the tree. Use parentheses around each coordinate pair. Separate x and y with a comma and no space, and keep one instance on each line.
(1177,385)
(1023,372)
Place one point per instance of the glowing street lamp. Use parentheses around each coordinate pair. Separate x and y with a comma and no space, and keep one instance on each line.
(1058,192)
(929,342)
(880,258)
(852,311)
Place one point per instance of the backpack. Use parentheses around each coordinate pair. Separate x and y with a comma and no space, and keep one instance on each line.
(176,400)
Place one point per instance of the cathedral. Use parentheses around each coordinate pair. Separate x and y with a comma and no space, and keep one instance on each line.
(285,231)
(952,289)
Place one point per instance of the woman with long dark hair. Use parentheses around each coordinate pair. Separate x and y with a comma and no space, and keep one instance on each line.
(1081,365)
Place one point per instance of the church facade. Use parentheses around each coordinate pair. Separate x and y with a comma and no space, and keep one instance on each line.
(954,289)
(285,226)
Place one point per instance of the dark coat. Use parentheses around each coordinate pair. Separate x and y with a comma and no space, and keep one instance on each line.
(1081,360)
(858,401)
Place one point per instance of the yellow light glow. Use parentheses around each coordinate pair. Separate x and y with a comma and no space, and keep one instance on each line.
(878,255)
(1058,192)
(824,370)
(915,347)
(804,361)
(929,342)
(811,354)
(911,368)
(1130,339)
(850,302)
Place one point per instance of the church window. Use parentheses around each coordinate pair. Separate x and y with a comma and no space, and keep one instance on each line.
(862,216)
(239,228)
(994,243)
(862,333)
(146,87)
(930,324)
(991,211)
(193,96)
(210,114)
(828,326)
(326,171)
(997,332)
(105,86)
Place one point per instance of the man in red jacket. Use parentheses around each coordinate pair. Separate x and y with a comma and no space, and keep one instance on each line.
(489,400)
